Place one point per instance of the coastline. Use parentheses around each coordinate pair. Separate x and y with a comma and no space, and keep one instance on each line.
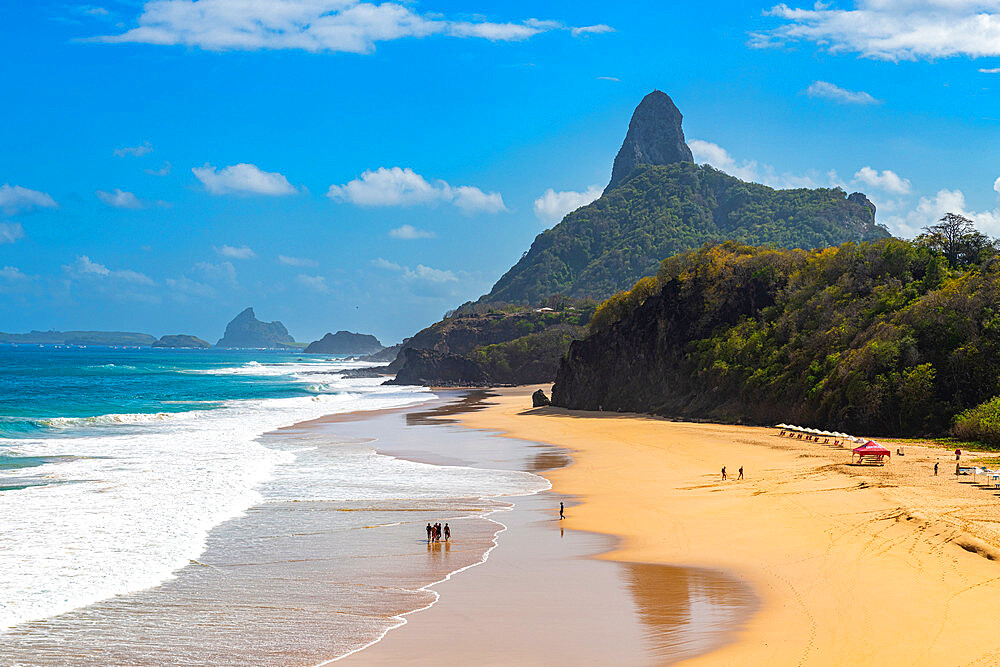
(850,563)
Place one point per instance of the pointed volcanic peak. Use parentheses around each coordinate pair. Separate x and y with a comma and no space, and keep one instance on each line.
(654,137)
(245,330)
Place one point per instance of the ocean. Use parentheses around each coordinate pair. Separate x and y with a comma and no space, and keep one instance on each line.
(138,484)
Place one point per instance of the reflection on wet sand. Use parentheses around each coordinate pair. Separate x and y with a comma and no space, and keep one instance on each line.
(687,612)
(471,400)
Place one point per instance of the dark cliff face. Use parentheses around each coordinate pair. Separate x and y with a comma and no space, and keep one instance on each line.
(433,368)
(640,364)
(654,137)
(247,331)
(345,342)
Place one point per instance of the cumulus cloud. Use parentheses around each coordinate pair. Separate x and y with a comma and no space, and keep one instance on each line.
(12,273)
(296,261)
(119,199)
(14,198)
(404,187)
(996,185)
(84,267)
(719,157)
(314,283)
(928,210)
(234,252)
(598,29)
(223,272)
(421,273)
(829,91)
(350,26)
(553,206)
(751,170)
(410,232)
(10,232)
(891,29)
(242,178)
(886,180)
(134,151)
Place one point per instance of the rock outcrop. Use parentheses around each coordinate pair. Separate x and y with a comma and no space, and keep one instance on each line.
(385,355)
(247,331)
(654,137)
(432,368)
(345,342)
(182,341)
(539,399)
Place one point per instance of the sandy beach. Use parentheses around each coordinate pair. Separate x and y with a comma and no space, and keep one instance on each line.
(852,565)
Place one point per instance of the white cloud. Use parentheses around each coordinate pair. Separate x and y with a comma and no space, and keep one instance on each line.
(84,267)
(134,151)
(929,210)
(886,180)
(719,157)
(10,232)
(311,25)
(296,261)
(996,185)
(183,287)
(241,252)
(598,29)
(608,78)
(14,198)
(119,199)
(162,171)
(420,273)
(553,206)
(410,232)
(242,178)
(12,273)
(404,187)
(991,70)
(892,29)
(829,91)
(314,283)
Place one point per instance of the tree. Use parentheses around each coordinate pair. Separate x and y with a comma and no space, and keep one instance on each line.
(957,238)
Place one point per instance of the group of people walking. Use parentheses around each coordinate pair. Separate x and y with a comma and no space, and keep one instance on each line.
(435,533)
(725,476)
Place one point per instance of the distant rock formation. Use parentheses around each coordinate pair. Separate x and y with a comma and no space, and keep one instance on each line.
(387,354)
(181,340)
(654,137)
(78,338)
(345,342)
(247,331)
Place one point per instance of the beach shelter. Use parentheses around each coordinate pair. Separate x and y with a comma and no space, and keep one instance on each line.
(871,452)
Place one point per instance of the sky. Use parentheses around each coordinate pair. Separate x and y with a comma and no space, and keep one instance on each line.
(339,164)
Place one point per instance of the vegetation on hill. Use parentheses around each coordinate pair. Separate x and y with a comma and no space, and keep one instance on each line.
(661,210)
(78,338)
(889,336)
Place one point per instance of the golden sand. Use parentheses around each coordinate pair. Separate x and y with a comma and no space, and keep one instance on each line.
(853,565)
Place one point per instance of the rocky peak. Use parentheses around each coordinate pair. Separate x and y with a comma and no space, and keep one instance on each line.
(245,330)
(654,137)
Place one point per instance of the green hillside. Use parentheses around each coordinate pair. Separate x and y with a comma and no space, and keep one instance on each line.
(661,210)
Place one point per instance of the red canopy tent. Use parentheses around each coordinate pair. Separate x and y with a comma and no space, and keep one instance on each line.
(870,451)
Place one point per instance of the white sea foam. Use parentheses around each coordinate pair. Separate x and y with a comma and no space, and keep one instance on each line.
(140,503)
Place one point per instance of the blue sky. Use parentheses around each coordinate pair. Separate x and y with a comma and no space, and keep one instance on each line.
(344,165)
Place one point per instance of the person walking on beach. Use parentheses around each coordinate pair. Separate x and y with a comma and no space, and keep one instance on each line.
(935,468)
(447,532)
(562,512)
(741,473)
(723,473)
(430,532)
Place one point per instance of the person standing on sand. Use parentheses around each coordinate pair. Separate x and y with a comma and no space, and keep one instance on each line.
(430,532)
(935,468)
(723,473)
(741,473)
(562,512)
(447,532)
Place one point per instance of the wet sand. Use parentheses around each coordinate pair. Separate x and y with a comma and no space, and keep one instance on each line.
(852,565)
